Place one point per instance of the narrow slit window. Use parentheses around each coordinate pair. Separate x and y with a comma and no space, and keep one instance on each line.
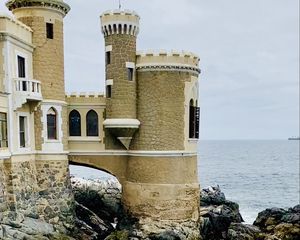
(108,57)
(130,74)
(108,91)
(51,124)
(49,30)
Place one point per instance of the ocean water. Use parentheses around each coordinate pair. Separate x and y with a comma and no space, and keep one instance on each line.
(255,174)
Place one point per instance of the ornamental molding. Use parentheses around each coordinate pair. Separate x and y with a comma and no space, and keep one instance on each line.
(58,6)
(168,67)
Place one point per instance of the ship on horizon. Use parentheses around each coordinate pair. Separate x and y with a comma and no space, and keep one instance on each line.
(294,138)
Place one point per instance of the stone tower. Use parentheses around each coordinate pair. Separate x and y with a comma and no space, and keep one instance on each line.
(120,29)
(45,18)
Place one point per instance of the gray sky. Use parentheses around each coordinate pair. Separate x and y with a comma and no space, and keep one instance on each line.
(249,52)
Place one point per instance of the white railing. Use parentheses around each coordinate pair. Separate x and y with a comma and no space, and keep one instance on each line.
(32,88)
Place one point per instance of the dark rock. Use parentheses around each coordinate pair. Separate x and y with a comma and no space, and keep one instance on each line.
(167,235)
(270,216)
(118,235)
(239,231)
(212,196)
(101,227)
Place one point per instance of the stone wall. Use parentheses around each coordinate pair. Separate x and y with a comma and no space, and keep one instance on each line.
(122,104)
(55,201)
(160,111)
(3,189)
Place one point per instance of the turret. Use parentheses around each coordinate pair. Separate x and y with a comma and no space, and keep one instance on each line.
(45,18)
(120,29)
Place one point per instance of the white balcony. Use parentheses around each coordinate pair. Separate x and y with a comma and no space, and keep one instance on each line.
(26,90)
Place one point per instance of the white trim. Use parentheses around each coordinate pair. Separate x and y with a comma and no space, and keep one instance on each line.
(27,126)
(109,82)
(121,123)
(52,145)
(108,48)
(84,139)
(25,56)
(135,153)
(130,65)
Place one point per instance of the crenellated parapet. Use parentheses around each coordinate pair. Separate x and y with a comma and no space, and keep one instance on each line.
(120,22)
(168,61)
(57,5)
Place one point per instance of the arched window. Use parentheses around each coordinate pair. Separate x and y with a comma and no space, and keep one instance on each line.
(51,124)
(74,123)
(92,123)
(192,120)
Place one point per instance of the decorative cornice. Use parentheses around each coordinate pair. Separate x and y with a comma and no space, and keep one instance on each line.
(168,67)
(56,5)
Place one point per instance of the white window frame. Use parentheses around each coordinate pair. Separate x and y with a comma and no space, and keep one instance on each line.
(25,56)
(27,131)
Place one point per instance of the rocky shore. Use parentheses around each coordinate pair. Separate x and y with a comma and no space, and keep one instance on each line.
(100,215)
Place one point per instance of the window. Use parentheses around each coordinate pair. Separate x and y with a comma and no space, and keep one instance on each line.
(3,131)
(194,120)
(22,133)
(49,30)
(130,74)
(74,123)
(91,123)
(21,67)
(107,57)
(108,91)
(51,124)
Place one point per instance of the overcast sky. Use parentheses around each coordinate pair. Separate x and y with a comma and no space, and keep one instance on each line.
(249,50)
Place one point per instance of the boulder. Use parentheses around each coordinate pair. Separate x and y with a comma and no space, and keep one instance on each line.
(240,231)
(97,225)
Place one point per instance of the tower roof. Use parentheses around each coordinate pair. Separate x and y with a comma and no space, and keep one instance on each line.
(120,22)
(58,5)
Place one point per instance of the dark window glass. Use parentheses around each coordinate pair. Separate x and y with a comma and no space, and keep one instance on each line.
(51,124)
(107,58)
(21,67)
(74,123)
(3,131)
(22,131)
(49,30)
(130,74)
(108,91)
(192,120)
(197,121)
(91,123)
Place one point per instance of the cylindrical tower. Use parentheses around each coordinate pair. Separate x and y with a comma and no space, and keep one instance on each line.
(120,29)
(45,18)
(162,179)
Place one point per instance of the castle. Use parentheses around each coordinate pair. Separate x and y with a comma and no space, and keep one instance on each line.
(143,130)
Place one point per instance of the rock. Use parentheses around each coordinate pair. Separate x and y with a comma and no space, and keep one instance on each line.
(118,235)
(101,227)
(278,223)
(167,235)
(217,213)
(101,197)
(239,231)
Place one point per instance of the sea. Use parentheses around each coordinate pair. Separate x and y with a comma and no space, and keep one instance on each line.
(257,174)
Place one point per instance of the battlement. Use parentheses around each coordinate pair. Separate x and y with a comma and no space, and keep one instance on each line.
(167,61)
(120,22)
(85,95)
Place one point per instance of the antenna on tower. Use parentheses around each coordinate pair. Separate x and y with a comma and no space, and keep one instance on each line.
(119,4)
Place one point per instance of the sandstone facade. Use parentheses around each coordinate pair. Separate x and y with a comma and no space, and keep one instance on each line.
(144,130)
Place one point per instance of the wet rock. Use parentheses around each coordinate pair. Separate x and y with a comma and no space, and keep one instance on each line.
(167,235)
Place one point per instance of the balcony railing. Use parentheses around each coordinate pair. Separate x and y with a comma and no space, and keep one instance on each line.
(26,90)
(30,88)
